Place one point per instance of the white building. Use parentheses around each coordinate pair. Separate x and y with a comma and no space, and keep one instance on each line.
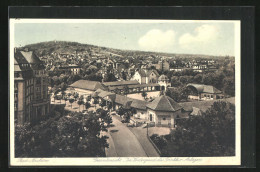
(146,76)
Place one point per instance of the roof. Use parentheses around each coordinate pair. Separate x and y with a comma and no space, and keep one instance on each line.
(196,111)
(139,104)
(16,66)
(31,57)
(122,100)
(24,57)
(88,85)
(135,86)
(163,78)
(147,73)
(164,103)
(103,94)
(205,88)
(203,105)
(121,83)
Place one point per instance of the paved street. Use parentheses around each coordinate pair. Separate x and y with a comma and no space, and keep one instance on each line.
(141,135)
(125,142)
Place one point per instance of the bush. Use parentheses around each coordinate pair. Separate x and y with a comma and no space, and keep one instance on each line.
(159,141)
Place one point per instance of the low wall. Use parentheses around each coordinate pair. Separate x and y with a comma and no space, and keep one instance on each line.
(155,147)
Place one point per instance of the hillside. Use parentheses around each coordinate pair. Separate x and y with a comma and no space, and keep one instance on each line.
(45,48)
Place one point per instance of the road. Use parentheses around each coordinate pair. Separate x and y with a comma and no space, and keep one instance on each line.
(125,143)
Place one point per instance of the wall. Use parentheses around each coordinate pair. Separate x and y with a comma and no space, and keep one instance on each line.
(137,77)
(152,78)
(142,114)
(21,102)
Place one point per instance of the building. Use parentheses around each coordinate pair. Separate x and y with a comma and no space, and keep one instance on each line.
(204,92)
(72,69)
(120,83)
(199,107)
(163,65)
(31,99)
(146,76)
(86,87)
(164,111)
(164,82)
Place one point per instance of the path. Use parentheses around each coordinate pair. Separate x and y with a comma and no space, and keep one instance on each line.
(141,135)
(124,141)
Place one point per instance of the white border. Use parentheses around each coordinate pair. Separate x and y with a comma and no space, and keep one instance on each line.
(131,161)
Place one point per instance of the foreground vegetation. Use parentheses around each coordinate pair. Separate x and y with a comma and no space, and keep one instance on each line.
(211,134)
(70,135)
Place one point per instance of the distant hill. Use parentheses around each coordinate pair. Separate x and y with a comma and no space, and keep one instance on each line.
(45,48)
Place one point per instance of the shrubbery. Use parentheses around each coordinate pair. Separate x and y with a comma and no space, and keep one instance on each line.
(73,135)
(211,134)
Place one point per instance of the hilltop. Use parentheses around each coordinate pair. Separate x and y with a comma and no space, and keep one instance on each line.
(45,48)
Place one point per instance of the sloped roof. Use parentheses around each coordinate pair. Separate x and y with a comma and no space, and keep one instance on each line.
(139,104)
(204,88)
(16,66)
(163,78)
(24,57)
(147,73)
(88,85)
(150,71)
(31,57)
(103,94)
(121,83)
(164,103)
(135,86)
(196,111)
(203,105)
(122,100)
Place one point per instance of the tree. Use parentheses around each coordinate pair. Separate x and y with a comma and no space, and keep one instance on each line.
(109,77)
(88,98)
(80,102)
(71,101)
(63,93)
(229,86)
(63,86)
(175,81)
(76,95)
(117,91)
(211,134)
(125,90)
(95,102)
(109,106)
(55,97)
(87,105)
(102,103)
(144,95)
(121,111)
(178,94)
(198,78)
(65,99)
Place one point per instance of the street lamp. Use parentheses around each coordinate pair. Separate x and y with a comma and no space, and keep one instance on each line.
(147,124)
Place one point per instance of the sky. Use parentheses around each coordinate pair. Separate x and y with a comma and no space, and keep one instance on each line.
(211,38)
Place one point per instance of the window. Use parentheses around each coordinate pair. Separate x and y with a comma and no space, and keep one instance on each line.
(164,118)
(151,117)
(15,96)
(15,86)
